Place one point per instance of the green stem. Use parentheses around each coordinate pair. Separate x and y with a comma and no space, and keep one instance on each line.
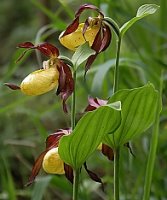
(73,123)
(116,71)
(73,102)
(152,153)
(116,173)
(76,184)
(117,150)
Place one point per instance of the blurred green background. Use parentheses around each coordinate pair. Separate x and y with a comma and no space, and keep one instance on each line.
(25,122)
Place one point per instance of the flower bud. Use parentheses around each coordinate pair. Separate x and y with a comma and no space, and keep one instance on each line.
(75,39)
(52,163)
(40,81)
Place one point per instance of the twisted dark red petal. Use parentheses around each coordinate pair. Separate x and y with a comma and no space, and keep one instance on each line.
(36,168)
(106,40)
(68,172)
(25,45)
(12,86)
(66,84)
(46,48)
(93,175)
(72,27)
(85,7)
(107,151)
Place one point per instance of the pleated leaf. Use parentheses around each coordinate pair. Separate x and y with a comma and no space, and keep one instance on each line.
(81,54)
(138,113)
(88,134)
(143,11)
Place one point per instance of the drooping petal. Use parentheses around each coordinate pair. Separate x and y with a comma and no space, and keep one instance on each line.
(107,151)
(106,40)
(36,168)
(66,83)
(93,175)
(68,172)
(12,86)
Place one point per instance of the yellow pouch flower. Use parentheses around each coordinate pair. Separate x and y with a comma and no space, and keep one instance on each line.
(52,163)
(75,39)
(40,81)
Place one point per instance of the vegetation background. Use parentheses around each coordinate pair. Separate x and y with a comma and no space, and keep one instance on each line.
(25,122)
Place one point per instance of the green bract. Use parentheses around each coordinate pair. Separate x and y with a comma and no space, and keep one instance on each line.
(143,11)
(81,54)
(138,113)
(88,134)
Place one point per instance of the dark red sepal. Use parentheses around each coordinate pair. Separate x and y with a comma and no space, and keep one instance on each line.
(93,176)
(12,86)
(66,83)
(95,103)
(85,7)
(36,168)
(47,49)
(107,151)
(72,27)
(25,45)
(106,40)
(53,139)
(69,172)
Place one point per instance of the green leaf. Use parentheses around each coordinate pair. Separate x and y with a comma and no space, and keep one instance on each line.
(142,12)
(88,134)
(138,113)
(81,54)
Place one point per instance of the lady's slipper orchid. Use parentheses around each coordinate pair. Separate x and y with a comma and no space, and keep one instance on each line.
(94,30)
(54,74)
(49,159)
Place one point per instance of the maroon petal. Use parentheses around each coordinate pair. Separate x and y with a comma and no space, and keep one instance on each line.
(12,86)
(53,139)
(106,40)
(26,45)
(36,168)
(72,27)
(66,83)
(68,172)
(89,62)
(45,48)
(48,49)
(85,7)
(93,176)
(95,103)
(107,151)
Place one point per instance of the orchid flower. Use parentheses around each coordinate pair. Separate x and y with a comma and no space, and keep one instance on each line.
(54,74)
(95,30)
(50,160)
